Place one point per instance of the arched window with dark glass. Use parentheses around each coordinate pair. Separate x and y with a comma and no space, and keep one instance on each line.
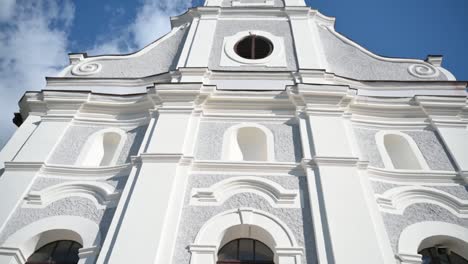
(58,252)
(245,251)
(441,255)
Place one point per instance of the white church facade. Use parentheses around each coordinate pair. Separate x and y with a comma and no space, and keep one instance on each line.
(252,133)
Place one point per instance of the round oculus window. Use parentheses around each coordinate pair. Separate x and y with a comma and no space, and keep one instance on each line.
(254,47)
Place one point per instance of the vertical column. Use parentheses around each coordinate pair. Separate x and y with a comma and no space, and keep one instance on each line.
(448,117)
(306,41)
(18,139)
(349,221)
(146,230)
(20,172)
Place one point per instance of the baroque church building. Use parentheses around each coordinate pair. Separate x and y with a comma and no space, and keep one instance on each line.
(251,133)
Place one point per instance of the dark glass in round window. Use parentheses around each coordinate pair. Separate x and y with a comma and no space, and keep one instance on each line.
(254,47)
(245,251)
(58,252)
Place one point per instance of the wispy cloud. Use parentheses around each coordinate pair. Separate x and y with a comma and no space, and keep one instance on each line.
(151,22)
(33,44)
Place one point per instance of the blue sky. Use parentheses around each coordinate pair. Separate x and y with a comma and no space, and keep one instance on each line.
(36,35)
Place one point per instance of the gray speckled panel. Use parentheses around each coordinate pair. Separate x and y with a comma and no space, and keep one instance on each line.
(416,213)
(226,28)
(347,60)
(427,141)
(73,141)
(72,206)
(277,3)
(380,187)
(162,58)
(193,217)
(286,138)
(368,146)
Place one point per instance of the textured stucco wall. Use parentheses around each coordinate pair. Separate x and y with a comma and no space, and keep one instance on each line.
(457,190)
(395,224)
(426,140)
(72,206)
(299,220)
(226,28)
(286,139)
(159,59)
(75,137)
(347,60)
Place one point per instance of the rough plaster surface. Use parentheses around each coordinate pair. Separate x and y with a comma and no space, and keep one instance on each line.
(226,28)
(395,224)
(73,141)
(72,206)
(193,217)
(347,60)
(426,140)
(286,139)
(158,59)
(459,191)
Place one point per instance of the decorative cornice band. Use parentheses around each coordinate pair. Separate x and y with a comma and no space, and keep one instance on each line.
(76,171)
(243,167)
(159,158)
(15,252)
(335,161)
(23,166)
(414,175)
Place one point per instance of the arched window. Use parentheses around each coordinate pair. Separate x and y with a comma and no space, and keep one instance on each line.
(252,144)
(102,148)
(248,142)
(245,251)
(58,252)
(441,255)
(399,151)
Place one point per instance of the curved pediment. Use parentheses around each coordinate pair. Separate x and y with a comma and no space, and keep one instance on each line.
(159,57)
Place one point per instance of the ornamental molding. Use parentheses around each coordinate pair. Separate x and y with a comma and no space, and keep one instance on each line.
(93,65)
(396,200)
(414,176)
(89,173)
(16,253)
(248,167)
(423,71)
(274,193)
(86,68)
(103,194)
(418,68)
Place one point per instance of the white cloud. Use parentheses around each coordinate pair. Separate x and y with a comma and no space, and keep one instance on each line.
(6,9)
(151,22)
(33,44)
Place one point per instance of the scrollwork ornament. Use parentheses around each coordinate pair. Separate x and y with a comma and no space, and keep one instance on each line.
(87,68)
(423,71)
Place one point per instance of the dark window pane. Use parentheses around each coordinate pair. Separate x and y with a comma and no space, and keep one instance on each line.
(435,255)
(254,47)
(262,252)
(246,249)
(229,251)
(58,252)
(44,253)
(61,251)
